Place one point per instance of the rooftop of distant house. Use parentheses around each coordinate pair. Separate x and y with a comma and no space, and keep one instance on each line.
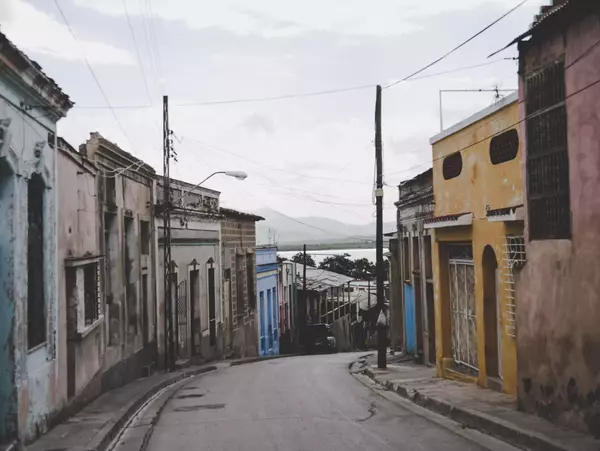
(231,213)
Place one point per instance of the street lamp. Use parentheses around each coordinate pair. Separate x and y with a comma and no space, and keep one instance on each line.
(240,175)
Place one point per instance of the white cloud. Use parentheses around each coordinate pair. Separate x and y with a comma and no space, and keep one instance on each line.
(37,32)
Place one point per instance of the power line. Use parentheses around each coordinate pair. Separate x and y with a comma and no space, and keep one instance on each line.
(137,51)
(462,44)
(287,171)
(291,96)
(155,42)
(87,63)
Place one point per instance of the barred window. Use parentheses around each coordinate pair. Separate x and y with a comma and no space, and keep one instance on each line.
(36,304)
(547,155)
(91,293)
(452,166)
(504,147)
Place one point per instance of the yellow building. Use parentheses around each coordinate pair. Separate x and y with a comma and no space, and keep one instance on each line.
(478,243)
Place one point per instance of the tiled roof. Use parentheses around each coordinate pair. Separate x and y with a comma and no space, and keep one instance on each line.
(230,213)
(319,279)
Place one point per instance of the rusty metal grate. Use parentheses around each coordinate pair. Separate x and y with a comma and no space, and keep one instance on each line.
(504,147)
(452,166)
(547,155)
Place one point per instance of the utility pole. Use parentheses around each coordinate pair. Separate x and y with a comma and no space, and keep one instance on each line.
(381,328)
(166,210)
(369,293)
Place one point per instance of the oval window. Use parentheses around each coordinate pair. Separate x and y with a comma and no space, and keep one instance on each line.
(504,147)
(452,166)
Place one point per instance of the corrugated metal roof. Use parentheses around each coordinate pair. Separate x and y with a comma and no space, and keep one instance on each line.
(319,279)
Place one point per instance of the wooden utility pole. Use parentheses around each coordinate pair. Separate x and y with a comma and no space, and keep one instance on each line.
(381,328)
(166,211)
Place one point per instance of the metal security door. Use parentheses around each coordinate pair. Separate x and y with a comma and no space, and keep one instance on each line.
(275,322)
(410,319)
(463,312)
(269,319)
(181,315)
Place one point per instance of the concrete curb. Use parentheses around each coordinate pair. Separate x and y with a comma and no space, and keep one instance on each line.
(260,359)
(108,433)
(495,427)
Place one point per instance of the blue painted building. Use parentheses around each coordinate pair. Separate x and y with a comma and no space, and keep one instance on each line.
(267,270)
(31,104)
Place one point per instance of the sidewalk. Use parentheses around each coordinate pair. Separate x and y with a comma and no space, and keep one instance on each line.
(472,406)
(95,426)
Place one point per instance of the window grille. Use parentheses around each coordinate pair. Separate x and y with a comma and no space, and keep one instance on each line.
(547,155)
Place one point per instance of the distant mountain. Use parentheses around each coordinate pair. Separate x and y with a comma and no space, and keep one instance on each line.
(279,229)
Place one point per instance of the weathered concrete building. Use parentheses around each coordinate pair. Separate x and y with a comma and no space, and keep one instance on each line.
(412,269)
(82,332)
(558,309)
(196,265)
(477,222)
(128,279)
(238,248)
(287,306)
(31,103)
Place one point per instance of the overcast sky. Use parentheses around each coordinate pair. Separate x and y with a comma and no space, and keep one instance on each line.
(305,156)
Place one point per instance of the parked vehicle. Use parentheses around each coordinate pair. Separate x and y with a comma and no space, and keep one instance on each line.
(319,338)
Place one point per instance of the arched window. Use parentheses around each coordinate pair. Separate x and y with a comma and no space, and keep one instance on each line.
(452,166)
(504,147)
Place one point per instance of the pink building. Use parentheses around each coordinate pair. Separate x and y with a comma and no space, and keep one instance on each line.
(558,288)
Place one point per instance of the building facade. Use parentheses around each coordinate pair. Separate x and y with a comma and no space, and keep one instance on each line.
(81,299)
(413,269)
(197,308)
(238,257)
(267,312)
(30,384)
(478,220)
(558,311)
(128,277)
(287,306)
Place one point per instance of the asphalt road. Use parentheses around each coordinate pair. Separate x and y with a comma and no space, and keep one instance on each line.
(300,403)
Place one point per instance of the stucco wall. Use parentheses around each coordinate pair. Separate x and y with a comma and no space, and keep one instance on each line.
(241,328)
(29,391)
(78,236)
(479,187)
(558,312)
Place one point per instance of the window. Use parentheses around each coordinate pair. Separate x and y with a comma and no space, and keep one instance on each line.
(239,285)
(36,306)
(145,237)
(405,259)
(250,276)
(504,147)
(547,155)
(91,292)
(111,190)
(452,166)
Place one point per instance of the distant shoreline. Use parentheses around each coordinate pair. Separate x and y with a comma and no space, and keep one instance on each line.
(326,246)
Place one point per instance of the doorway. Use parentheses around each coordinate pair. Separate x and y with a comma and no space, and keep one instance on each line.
(492,317)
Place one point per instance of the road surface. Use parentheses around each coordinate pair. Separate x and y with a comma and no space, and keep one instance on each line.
(307,403)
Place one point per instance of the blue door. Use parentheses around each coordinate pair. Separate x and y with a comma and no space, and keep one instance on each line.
(269,322)
(262,320)
(275,323)
(410,326)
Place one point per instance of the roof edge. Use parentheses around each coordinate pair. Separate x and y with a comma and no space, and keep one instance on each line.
(482,114)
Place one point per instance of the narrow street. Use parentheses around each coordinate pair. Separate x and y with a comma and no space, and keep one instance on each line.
(298,403)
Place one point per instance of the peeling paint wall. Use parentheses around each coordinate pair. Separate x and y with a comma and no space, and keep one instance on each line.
(34,394)
(479,186)
(79,228)
(558,314)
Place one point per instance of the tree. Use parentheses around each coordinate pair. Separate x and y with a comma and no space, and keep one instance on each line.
(340,264)
(363,269)
(299,258)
